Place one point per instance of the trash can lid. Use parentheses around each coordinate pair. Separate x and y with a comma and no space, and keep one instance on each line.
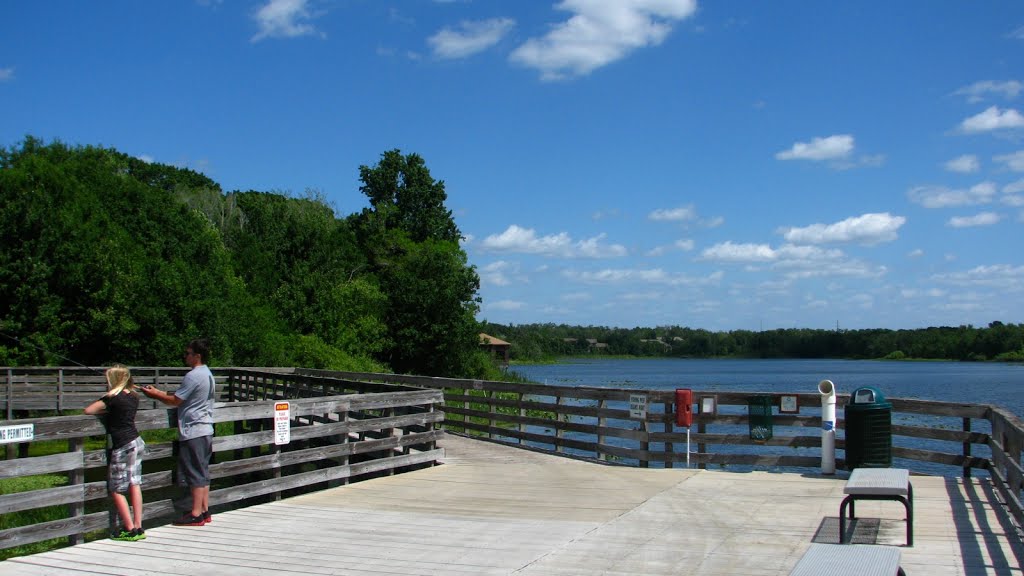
(867,395)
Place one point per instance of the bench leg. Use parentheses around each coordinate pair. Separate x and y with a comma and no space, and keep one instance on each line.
(847,502)
(908,502)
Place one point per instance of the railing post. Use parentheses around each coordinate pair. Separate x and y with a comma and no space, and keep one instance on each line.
(701,429)
(602,421)
(343,417)
(645,444)
(522,414)
(60,390)
(668,430)
(77,477)
(967,447)
(489,394)
(558,427)
(12,449)
(1012,445)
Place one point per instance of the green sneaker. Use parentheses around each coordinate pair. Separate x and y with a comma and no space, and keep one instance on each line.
(138,534)
(124,536)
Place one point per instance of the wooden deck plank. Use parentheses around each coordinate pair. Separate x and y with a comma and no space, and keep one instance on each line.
(498,510)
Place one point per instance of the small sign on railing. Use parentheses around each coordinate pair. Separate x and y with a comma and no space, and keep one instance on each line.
(20,433)
(282,423)
(638,406)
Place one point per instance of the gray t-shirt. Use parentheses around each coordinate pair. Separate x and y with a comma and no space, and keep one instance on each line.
(195,413)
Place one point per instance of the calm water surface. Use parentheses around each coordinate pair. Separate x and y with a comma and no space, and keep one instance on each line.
(986,383)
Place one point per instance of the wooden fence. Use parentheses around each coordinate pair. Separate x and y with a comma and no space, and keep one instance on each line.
(351,431)
(598,423)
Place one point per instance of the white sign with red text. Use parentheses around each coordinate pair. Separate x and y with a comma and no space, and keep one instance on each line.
(282,423)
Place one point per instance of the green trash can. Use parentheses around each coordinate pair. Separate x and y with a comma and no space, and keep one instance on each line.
(868,430)
(759,412)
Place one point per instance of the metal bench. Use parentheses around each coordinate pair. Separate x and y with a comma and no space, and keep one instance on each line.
(878,484)
(849,560)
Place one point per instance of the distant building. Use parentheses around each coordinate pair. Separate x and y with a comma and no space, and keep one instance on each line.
(497,348)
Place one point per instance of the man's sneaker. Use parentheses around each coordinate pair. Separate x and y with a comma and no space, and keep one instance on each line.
(124,536)
(138,534)
(207,517)
(189,520)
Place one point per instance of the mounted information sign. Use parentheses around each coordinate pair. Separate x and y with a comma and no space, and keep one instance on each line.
(20,433)
(638,406)
(282,424)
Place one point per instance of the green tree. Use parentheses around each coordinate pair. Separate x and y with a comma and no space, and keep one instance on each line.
(412,245)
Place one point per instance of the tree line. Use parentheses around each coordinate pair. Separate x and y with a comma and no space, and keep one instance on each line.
(108,258)
(541,342)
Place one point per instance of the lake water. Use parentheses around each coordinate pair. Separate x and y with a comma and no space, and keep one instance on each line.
(983,383)
(975,382)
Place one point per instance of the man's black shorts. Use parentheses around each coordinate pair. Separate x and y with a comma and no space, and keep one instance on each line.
(194,461)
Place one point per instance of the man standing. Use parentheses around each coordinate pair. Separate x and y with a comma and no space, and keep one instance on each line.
(194,401)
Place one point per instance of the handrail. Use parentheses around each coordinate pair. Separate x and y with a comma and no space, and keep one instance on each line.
(596,423)
(355,432)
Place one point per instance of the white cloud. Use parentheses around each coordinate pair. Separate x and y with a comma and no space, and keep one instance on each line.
(965,164)
(941,197)
(684,214)
(793,261)
(995,276)
(505,305)
(866,229)
(681,214)
(1014,161)
(992,119)
(1015,200)
(284,19)
(828,148)
(649,276)
(145,158)
(598,33)
(470,37)
(976,92)
(497,273)
(524,240)
(982,219)
(1014,187)
(576,296)
(685,245)
(729,252)
(915,253)
(6,74)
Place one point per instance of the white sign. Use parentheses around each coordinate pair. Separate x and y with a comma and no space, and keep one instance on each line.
(19,433)
(282,423)
(638,406)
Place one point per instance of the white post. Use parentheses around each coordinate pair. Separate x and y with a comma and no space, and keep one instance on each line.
(828,426)
(687,446)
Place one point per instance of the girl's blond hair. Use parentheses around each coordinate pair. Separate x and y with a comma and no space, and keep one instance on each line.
(119,378)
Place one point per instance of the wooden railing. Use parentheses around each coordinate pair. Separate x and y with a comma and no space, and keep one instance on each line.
(351,431)
(596,423)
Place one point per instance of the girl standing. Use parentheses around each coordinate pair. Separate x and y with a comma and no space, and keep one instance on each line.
(125,462)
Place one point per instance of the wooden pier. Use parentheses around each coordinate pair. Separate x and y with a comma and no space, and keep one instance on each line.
(492,509)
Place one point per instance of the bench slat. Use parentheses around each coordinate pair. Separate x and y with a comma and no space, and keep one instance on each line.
(848,559)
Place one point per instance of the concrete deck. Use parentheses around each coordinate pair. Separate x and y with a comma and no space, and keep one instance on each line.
(494,509)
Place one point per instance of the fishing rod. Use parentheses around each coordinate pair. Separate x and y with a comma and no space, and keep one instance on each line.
(45,351)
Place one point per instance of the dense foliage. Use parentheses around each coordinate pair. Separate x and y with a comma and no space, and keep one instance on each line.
(109,258)
(536,342)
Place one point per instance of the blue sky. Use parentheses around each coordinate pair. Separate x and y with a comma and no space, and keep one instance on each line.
(727,165)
